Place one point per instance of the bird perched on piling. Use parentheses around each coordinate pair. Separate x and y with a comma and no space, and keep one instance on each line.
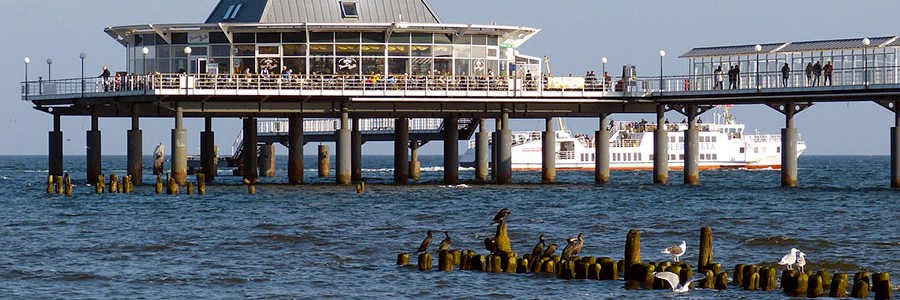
(491,245)
(550,250)
(578,244)
(676,251)
(423,247)
(538,249)
(789,259)
(801,261)
(500,217)
(673,280)
(445,244)
(567,251)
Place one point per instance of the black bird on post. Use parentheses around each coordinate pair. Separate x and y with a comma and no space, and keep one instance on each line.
(424,246)
(578,244)
(538,249)
(491,245)
(567,251)
(445,244)
(501,216)
(550,250)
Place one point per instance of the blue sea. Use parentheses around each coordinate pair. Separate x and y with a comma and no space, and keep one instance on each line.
(320,240)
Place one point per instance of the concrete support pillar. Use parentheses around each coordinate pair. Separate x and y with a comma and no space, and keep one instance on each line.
(692,149)
(415,167)
(356,143)
(660,148)
(504,152)
(343,151)
(601,152)
(451,150)
(179,148)
(250,151)
(94,161)
(401,142)
(495,147)
(324,161)
(135,154)
(482,153)
(267,160)
(208,156)
(295,150)
(55,149)
(789,148)
(895,148)
(548,152)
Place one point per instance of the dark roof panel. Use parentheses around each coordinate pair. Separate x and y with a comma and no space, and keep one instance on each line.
(834,44)
(731,50)
(323,11)
(822,45)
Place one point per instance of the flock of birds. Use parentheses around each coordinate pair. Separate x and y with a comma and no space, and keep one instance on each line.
(574,245)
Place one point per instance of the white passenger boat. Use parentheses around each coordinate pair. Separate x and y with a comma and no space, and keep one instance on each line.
(723,145)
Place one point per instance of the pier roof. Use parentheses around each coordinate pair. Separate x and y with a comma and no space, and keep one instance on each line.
(323,11)
(803,46)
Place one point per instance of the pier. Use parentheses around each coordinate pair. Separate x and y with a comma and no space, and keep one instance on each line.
(417,80)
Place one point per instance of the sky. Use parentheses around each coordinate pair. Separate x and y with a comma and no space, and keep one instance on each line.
(575,34)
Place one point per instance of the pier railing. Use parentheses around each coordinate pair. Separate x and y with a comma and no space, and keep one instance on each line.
(447,86)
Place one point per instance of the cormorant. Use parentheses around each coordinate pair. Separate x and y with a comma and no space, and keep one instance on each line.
(578,244)
(550,250)
(538,249)
(567,251)
(491,245)
(445,244)
(424,246)
(501,216)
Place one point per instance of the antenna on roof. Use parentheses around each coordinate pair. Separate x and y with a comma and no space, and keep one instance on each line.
(401,18)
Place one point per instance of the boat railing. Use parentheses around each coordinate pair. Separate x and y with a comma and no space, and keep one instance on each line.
(329,125)
(565,155)
(625,143)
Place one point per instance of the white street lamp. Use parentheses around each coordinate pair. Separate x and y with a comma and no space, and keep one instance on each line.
(866,43)
(662,53)
(49,62)
(603,61)
(758,49)
(82,56)
(27,61)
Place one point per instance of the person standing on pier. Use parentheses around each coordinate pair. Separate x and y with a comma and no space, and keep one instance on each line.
(718,75)
(737,76)
(785,74)
(829,69)
(817,73)
(105,75)
(731,81)
(809,72)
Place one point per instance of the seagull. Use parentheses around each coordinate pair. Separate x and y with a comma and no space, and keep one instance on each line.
(538,249)
(550,250)
(501,216)
(676,250)
(567,251)
(445,244)
(790,259)
(801,261)
(424,246)
(673,280)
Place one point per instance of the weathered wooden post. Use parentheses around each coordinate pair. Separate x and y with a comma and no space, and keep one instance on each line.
(201,185)
(826,279)
(815,288)
(722,281)
(522,266)
(706,249)
(710,281)
(324,161)
(478,263)
(159,183)
(685,273)
(190,187)
(549,267)
(424,262)
(632,253)
(50,184)
(568,270)
(802,285)
(509,262)
(882,285)
(402,258)
(67,181)
(861,285)
(738,274)
(768,279)
(594,271)
(839,286)
(445,261)
(751,278)
(789,281)
(113,183)
(608,269)
(502,238)
(496,265)
(646,275)
(100,186)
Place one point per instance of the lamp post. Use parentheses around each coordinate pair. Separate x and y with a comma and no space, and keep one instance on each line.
(27,61)
(603,62)
(662,53)
(187,52)
(758,48)
(866,43)
(82,56)
(49,62)
(145,77)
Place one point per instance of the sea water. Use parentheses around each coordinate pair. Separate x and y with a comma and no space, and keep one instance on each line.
(322,240)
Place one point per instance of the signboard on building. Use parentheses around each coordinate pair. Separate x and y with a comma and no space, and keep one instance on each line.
(198,38)
(565,83)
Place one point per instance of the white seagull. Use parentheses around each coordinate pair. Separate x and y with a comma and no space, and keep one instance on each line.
(673,280)
(790,259)
(676,250)
(801,261)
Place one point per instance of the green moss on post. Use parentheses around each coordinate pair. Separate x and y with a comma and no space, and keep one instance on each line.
(826,279)
(548,267)
(502,238)
(839,285)
(646,275)
(457,256)
(802,285)
(594,271)
(882,286)
(159,184)
(861,285)
(568,270)
(403,259)
(496,265)
(424,262)
(190,188)
(632,253)
(767,279)
(608,269)
(50,184)
(738,274)
(522,266)
(815,288)
(706,249)
(510,263)
(722,281)
(710,281)
(751,282)
(445,261)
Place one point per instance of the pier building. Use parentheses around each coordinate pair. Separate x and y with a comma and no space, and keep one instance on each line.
(349,62)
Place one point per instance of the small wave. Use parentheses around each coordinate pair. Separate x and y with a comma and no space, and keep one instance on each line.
(770,241)
(287,238)
(458,186)
(82,277)
(887,244)
(270,226)
(236,280)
